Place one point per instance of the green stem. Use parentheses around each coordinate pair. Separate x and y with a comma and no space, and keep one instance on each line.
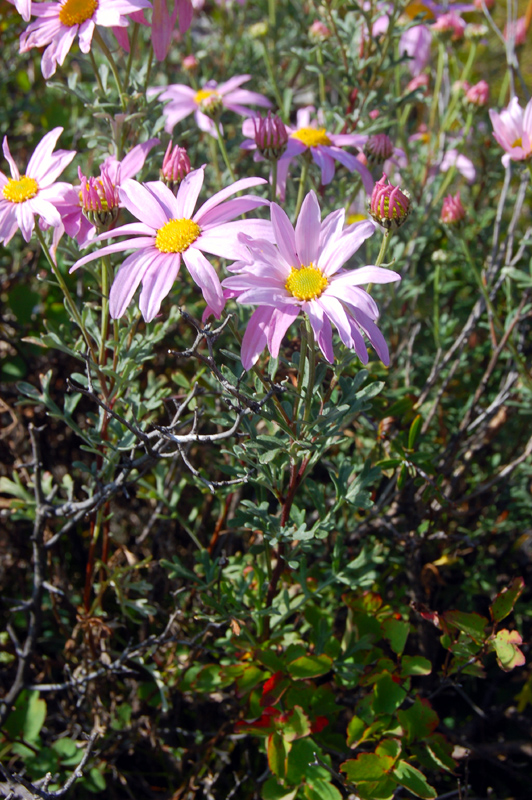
(302,187)
(436,311)
(311,357)
(214,160)
(321,78)
(271,13)
(104,326)
(273,182)
(148,71)
(66,292)
(437,87)
(301,370)
(271,75)
(134,37)
(223,149)
(449,116)
(112,63)
(384,246)
(96,73)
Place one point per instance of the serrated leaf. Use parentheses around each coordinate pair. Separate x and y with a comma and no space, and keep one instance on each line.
(506,600)
(322,790)
(388,695)
(309,667)
(414,780)
(415,665)
(419,720)
(471,623)
(367,767)
(396,631)
(505,644)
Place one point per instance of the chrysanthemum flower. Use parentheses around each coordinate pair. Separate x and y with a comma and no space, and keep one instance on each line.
(452,211)
(207,101)
(325,148)
(168,231)
(106,185)
(58,24)
(512,128)
(302,273)
(35,192)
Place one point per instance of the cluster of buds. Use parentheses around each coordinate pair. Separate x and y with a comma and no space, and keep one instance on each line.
(452,211)
(449,26)
(389,205)
(176,166)
(378,149)
(478,95)
(99,199)
(271,136)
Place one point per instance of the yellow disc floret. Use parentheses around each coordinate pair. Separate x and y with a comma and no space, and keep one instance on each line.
(75,12)
(518,143)
(177,235)
(306,283)
(204,94)
(17,191)
(312,137)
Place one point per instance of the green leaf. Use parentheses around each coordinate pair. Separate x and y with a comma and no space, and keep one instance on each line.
(415,665)
(28,717)
(377,790)
(419,720)
(275,791)
(309,667)
(505,600)
(505,644)
(355,731)
(277,750)
(388,695)
(414,431)
(472,624)
(296,725)
(414,780)
(396,631)
(389,747)
(322,790)
(367,767)
(301,766)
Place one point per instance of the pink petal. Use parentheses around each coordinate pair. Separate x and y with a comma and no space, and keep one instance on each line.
(204,275)
(157,282)
(218,197)
(281,320)
(188,193)
(127,280)
(15,174)
(307,231)
(256,336)
(284,235)
(140,202)
(340,250)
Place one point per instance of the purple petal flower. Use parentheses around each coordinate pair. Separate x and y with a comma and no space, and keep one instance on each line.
(169,232)
(302,272)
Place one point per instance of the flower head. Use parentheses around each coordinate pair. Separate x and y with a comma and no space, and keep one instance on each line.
(176,166)
(168,232)
(449,25)
(512,129)
(95,202)
(378,148)
(35,192)
(58,24)
(268,135)
(301,272)
(319,31)
(389,205)
(478,95)
(208,102)
(452,210)
(324,148)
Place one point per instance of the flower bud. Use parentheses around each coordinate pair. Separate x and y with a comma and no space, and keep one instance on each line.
(318,31)
(389,205)
(271,136)
(190,63)
(452,211)
(475,31)
(258,30)
(449,26)
(419,82)
(478,94)
(176,165)
(99,199)
(378,149)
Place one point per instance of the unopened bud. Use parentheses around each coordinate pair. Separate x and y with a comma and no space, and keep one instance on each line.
(176,166)
(378,149)
(478,94)
(452,211)
(449,26)
(258,30)
(99,199)
(389,205)
(318,31)
(190,63)
(271,136)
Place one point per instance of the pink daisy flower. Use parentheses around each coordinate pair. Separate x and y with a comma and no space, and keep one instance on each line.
(58,24)
(325,148)
(512,129)
(35,192)
(169,231)
(302,273)
(112,174)
(213,95)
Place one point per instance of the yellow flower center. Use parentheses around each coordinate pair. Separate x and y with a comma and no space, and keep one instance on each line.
(306,283)
(74,12)
(204,94)
(177,235)
(312,137)
(17,191)
(518,143)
